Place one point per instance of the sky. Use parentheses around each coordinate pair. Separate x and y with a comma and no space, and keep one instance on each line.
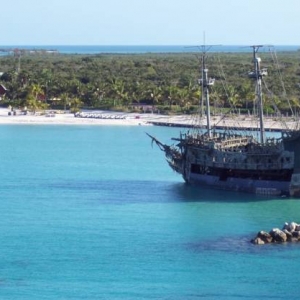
(150,22)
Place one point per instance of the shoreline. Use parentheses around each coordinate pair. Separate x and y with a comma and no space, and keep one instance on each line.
(107,118)
(64,119)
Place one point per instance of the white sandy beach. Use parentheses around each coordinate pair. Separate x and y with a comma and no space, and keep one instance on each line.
(131,119)
(89,118)
(67,119)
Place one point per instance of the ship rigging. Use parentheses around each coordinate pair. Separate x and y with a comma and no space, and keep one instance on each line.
(234,160)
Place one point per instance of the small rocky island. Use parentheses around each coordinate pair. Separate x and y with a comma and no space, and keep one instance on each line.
(289,233)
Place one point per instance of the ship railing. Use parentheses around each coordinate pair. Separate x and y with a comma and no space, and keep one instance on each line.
(245,166)
(235,142)
(253,149)
(276,150)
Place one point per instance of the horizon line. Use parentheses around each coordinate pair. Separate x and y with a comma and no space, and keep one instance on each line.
(140,45)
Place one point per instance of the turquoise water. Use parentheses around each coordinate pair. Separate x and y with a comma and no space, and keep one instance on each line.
(95,213)
(95,49)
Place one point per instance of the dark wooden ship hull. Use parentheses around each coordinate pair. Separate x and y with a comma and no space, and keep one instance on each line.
(238,164)
(248,185)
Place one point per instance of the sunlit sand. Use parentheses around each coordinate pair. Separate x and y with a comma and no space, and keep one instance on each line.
(134,119)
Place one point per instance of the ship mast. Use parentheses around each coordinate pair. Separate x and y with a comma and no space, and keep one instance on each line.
(205,83)
(257,74)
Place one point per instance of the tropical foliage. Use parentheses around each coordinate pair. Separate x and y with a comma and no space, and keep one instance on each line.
(169,82)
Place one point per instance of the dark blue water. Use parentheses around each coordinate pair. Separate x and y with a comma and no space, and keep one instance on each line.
(84,49)
(94,212)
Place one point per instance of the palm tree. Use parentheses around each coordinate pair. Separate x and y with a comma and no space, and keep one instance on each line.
(37,91)
(75,104)
(182,94)
(135,91)
(234,98)
(214,100)
(75,87)
(32,101)
(45,79)
(170,94)
(64,98)
(118,91)
(247,94)
(155,94)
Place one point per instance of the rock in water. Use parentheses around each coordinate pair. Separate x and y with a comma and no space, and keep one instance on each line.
(278,235)
(289,233)
(265,236)
(257,241)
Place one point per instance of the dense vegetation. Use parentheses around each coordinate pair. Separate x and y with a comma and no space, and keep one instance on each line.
(167,81)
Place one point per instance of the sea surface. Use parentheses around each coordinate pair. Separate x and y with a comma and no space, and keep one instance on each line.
(123,49)
(94,212)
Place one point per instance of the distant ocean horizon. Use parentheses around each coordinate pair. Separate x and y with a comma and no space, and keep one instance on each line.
(138,49)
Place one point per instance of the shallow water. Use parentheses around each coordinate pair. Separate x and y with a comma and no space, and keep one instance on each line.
(95,213)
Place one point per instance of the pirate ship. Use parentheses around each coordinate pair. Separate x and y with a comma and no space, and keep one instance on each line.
(237,160)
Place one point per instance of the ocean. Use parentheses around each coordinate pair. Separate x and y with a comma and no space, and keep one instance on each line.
(94,212)
(125,49)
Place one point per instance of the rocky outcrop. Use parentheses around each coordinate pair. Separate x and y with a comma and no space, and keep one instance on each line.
(265,237)
(290,232)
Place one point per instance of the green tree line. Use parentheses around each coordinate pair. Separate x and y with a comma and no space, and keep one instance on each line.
(168,81)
